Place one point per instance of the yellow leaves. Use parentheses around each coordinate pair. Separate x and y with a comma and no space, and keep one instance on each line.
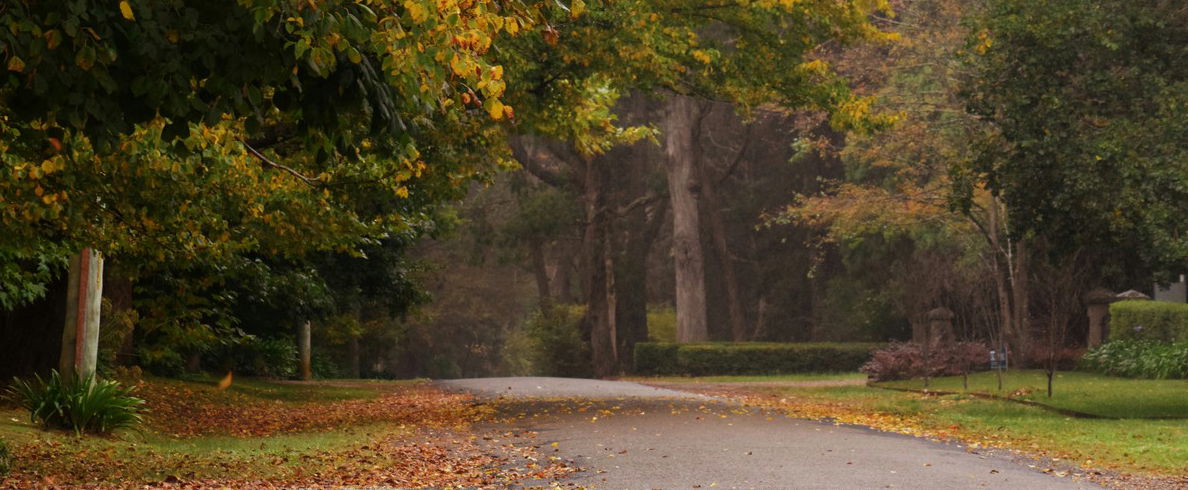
(816,67)
(577,8)
(126,10)
(511,25)
(985,42)
(497,72)
(494,108)
(16,64)
(53,38)
(417,12)
(701,56)
(402,191)
(52,165)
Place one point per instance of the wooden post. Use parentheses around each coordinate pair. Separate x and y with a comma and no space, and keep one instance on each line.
(84,296)
(303,344)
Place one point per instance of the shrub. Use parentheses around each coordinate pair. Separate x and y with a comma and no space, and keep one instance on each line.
(80,404)
(1149,320)
(656,358)
(661,324)
(555,346)
(727,358)
(5,460)
(256,356)
(1139,359)
(907,360)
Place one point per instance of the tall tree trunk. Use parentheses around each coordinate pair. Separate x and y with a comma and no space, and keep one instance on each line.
(1002,277)
(713,208)
(541,273)
(353,359)
(304,350)
(631,281)
(80,335)
(598,321)
(563,279)
(1021,290)
(681,122)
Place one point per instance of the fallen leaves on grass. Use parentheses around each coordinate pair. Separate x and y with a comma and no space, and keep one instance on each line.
(188,411)
(406,436)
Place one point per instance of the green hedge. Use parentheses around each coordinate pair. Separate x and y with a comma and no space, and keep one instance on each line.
(728,358)
(1149,320)
(1139,359)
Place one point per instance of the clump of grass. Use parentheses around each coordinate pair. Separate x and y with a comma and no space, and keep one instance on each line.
(5,459)
(81,404)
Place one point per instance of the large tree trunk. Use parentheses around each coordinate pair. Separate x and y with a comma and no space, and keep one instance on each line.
(541,273)
(631,284)
(80,335)
(1001,278)
(1022,296)
(599,318)
(681,122)
(738,321)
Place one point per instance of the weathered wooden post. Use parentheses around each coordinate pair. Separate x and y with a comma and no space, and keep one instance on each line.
(303,344)
(84,296)
(1097,306)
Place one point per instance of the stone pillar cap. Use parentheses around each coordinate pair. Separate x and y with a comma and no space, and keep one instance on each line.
(1100,296)
(940,314)
(1132,294)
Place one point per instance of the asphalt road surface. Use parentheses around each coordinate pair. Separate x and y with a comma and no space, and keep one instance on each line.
(627,435)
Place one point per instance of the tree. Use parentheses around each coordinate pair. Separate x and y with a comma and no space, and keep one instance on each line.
(187,139)
(1086,103)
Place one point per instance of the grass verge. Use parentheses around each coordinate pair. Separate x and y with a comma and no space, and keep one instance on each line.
(261,433)
(1082,392)
(1148,447)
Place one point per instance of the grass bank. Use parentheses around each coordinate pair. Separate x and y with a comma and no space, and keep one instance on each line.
(1141,446)
(264,433)
(1082,392)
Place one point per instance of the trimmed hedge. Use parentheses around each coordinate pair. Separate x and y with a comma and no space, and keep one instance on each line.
(749,358)
(1149,320)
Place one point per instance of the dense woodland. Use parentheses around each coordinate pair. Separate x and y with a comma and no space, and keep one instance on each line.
(466,188)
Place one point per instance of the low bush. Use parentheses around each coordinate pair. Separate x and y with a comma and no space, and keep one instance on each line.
(1139,359)
(79,404)
(255,356)
(749,358)
(1149,320)
(554,343)
(908,360)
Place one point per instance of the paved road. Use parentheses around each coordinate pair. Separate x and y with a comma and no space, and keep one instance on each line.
(629,435)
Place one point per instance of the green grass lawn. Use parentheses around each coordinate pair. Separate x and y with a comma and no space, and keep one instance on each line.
(1156,447)
(1083,392)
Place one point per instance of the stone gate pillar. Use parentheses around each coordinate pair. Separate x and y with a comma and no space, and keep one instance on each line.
(1097,306)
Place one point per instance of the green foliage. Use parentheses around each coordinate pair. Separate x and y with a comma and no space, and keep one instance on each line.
(5,460)
(656,358)
(1088,119)
(1151,320)
(84,405)
(553,343)
(724,358)
(661,324)
(1133,358)
(273,357)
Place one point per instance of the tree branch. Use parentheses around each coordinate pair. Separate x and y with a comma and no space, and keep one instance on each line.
(267,163)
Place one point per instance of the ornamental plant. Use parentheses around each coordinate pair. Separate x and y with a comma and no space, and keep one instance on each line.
(81,404)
